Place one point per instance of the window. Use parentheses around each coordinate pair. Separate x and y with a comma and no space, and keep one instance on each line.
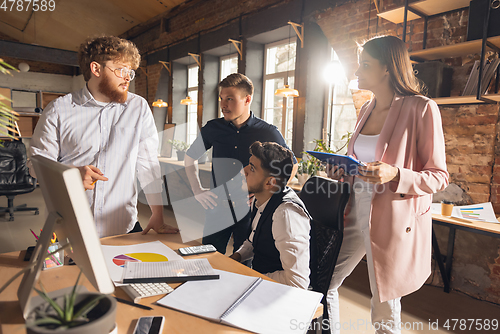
(340,112)
(192,109)
(228,65)
(279,70)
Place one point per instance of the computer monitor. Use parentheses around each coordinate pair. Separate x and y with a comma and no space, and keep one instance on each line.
(70,217)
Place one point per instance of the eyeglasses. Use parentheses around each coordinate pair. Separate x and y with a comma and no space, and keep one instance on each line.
(122,72)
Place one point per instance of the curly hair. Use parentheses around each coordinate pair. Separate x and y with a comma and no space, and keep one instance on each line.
(276,160)
(104,48)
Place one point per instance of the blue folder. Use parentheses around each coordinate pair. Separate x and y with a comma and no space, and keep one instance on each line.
(348,163)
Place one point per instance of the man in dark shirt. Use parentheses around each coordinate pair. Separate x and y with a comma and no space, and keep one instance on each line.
(230,137)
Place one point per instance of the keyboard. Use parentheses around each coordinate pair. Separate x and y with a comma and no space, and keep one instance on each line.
(136,291)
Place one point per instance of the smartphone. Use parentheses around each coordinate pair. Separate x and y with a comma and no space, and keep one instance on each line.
(149,325)
(197,250)
(29,252)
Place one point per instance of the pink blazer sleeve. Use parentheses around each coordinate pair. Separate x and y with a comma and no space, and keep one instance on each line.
(433,175)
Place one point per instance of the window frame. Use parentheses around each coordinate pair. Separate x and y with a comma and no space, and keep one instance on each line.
(285,75)
(221,59)
(192,106)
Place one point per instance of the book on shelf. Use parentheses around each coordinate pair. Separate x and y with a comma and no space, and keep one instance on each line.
(246,302)
(489,68)
(488,74)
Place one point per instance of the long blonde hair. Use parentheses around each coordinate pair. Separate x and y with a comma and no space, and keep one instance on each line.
(392,52)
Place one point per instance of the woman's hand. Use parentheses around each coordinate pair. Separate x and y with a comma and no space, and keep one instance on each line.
(378,172)
(334,172)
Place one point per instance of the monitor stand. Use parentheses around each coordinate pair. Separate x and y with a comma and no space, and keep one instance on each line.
(37,259)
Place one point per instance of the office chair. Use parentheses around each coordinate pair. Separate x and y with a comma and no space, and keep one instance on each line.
(325,199)
(14,176)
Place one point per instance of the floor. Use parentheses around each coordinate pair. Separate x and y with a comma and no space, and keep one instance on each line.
(423,310)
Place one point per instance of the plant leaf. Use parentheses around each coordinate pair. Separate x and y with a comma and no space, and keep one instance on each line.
(46,321)
(52,303)
(72,298)
(68,308)
(88,307)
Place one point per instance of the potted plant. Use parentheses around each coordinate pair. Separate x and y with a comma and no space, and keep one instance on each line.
(181,148)
(73,313)
(308,166)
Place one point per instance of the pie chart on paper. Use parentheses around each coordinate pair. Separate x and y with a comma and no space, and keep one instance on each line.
(120,260)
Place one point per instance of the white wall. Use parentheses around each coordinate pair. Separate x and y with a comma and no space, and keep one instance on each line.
(34,81)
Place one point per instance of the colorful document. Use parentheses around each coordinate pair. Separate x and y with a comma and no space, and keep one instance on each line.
(117,256)
(479,212)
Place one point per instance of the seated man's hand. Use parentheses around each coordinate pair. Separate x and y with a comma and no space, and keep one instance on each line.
(156,223)
(90,174)
(236,256)
(206,199)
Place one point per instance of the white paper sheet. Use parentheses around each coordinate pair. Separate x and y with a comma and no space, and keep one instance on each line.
(270,308)
(115,256)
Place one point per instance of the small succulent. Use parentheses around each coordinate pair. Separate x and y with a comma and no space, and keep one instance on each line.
(55,316)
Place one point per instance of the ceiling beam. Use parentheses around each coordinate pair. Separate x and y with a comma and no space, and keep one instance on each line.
(38,53)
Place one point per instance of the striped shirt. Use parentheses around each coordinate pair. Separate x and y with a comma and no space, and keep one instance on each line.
(118,138)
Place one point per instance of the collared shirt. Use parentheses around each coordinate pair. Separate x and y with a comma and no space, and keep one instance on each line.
(118,138)
(291,227)
(229,142)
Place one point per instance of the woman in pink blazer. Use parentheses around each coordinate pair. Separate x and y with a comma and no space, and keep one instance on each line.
(400,138)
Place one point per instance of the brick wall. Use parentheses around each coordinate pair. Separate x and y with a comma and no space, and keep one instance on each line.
(146,85)
(200,15)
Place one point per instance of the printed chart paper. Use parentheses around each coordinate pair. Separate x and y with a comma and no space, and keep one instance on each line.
(116,256)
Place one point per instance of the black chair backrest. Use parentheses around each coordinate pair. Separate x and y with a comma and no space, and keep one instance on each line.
(13,168)
(325,199)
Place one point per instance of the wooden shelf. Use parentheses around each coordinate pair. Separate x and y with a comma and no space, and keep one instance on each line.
(465,99)
(427,7)
(452,51)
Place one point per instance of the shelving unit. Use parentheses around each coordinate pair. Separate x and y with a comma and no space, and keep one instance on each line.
(425,9)
(470,99)
(455,50)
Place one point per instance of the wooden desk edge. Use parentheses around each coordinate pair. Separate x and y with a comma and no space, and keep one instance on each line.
(472,224)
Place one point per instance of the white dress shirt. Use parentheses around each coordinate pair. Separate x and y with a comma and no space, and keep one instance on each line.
(118,138)
(290,229)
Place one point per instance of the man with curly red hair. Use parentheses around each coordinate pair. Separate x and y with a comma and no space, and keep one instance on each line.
(109,134)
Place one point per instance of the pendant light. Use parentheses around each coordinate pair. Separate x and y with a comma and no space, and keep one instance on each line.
(287,91)
(187,101)
(160,103)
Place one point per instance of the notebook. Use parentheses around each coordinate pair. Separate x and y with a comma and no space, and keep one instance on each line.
(348,163)
(246,302)
(168,271)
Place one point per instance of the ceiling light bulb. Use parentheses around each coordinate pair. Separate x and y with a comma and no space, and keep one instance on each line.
(23,67)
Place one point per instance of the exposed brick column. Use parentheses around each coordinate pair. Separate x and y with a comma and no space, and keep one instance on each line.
(154,72)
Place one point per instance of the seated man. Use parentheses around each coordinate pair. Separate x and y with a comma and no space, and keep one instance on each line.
(279,238)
